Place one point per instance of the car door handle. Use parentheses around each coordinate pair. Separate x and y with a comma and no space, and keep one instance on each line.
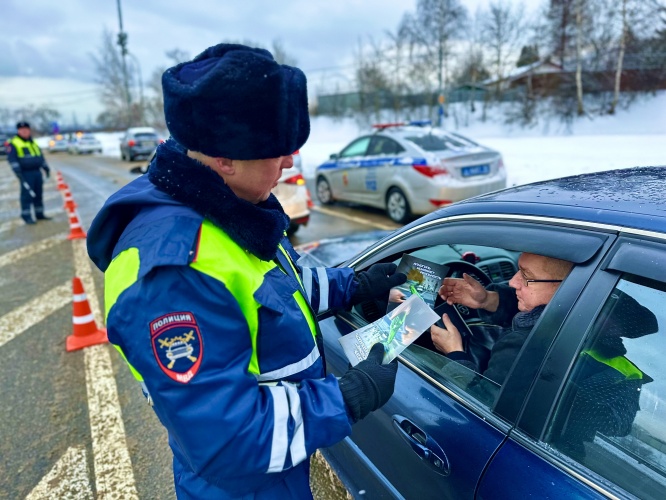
(423,445)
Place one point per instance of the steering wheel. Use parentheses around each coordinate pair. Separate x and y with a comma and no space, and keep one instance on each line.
(456,270)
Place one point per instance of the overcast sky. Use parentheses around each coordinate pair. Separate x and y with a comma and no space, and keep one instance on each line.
(46,45)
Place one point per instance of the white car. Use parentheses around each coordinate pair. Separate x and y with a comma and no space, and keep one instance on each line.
(294,196)
(85,144)
(409,169)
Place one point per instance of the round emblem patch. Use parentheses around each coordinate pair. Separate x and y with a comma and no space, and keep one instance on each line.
(177,345)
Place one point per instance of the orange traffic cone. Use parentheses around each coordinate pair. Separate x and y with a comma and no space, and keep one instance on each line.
(309,198)
(75,230)
(70,204)
(85,332)
(61,184)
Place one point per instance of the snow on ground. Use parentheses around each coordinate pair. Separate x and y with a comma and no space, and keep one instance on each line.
(633,137)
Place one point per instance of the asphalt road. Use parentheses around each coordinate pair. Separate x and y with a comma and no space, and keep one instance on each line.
(74,424)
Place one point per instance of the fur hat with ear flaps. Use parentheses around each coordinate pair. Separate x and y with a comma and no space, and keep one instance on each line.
(236,102)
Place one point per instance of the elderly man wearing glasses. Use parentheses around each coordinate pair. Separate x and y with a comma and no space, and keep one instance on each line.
(517,311)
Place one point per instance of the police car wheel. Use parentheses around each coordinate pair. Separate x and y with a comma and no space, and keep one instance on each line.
(324,194)
(397,206)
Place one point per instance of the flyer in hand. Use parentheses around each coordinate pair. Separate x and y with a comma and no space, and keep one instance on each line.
(395,330)
(423,278)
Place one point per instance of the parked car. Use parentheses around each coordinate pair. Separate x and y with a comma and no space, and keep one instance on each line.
(294,195)
(58,144)
(138,141)
(409,169)
(85,144)
(554,428)
(290,191)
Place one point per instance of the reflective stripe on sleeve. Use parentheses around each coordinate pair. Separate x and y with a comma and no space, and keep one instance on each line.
(297,448)
(323,289)
(307,282)
(291,369)
(280,420)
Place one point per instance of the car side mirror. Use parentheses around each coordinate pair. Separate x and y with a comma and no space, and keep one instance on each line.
(334,156)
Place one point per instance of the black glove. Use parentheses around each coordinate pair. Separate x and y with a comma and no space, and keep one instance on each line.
(369,384)
(47,171)
(376,282)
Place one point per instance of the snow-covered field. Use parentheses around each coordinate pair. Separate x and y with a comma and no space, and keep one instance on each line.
(633,137)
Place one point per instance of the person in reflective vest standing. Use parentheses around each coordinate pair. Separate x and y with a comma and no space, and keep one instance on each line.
(27,162)
(204,297)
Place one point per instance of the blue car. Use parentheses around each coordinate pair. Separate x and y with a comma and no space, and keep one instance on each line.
(581,412)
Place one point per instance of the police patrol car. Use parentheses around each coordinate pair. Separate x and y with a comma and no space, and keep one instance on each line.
(409,169)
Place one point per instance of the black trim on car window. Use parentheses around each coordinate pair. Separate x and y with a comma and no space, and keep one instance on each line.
(575,245)
(646,259)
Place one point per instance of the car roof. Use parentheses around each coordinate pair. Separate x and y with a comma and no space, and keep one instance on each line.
(633,197)
(141,130)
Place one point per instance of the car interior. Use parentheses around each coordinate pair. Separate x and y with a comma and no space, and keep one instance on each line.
(596,419)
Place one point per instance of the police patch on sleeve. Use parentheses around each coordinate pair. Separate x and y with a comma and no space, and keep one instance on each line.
(177,345)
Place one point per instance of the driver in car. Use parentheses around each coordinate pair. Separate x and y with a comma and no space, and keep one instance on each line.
(516,312)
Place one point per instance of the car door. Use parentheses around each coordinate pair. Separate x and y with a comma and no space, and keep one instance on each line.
(347,163)
(595,418)
(439,432)
(373,177)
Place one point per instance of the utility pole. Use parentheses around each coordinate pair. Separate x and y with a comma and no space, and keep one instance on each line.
(122,42)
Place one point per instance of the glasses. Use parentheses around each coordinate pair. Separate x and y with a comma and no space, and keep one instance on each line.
(527,282)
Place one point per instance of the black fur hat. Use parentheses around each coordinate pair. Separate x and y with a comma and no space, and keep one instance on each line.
(236,102)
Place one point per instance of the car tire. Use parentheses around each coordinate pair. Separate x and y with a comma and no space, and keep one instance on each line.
(324,193)
(397,206)
(122,156)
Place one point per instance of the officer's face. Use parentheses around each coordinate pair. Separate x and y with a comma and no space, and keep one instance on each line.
(24,132)
(253,180)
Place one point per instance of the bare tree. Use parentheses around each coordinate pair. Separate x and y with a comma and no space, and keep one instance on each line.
(155,103)
(502,31)
(432,30)
(372,81)
(560,15)
(620,58)
(113,93)
(579,56)
(280,54)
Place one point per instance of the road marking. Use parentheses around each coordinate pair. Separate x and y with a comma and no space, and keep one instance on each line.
(358,220)
(67,479)
(113,467)
(28,250)
(20,319)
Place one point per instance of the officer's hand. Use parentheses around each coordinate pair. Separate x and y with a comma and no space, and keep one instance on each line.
(47,171)
(368,385)
(376,282)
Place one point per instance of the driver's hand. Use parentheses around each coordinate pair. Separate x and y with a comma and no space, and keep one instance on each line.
(395,295)
(466,291)
(446,339)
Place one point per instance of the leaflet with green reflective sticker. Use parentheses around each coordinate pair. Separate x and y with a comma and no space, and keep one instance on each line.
(423,279)
(395,331)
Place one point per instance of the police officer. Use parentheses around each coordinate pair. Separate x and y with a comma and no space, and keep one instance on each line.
(27,162)
(203,295)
